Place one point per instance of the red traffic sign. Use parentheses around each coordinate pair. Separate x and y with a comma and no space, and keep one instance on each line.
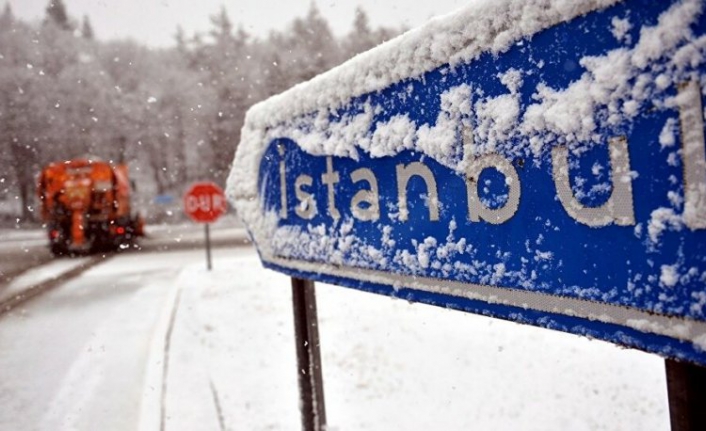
(204,202)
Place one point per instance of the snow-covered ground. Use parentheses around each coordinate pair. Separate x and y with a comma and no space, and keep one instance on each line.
(91,355)
(21,238)
(23,248)
(225,228)
(46,272)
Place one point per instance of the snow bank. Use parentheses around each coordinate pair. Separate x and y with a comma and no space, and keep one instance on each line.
(389,364)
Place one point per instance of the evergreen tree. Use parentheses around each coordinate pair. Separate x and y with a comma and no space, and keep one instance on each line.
(361,37)
(361,23)
(314,48)
(180,39)
(56,14)
(223,30)
(87,29)
(7,18)
(128,101)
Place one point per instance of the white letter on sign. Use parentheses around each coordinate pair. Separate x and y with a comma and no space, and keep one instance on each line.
(192,204)
(307,205)
(218,203)
(691,121)
(618,208)
(282,184)
(476,209)
(404,174)
(330,178)
(370,197)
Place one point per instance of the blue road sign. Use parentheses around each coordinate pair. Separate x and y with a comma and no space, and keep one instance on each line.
(519,159)
(163,199)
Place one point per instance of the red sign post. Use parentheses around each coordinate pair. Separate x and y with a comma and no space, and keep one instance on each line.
(204,202)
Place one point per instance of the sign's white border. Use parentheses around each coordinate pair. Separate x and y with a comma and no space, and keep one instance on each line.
(674,327)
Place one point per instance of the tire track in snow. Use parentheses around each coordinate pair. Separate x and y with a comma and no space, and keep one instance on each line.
(165,369)
(217,403)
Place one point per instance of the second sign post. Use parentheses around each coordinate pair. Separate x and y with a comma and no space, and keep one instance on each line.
(205,202)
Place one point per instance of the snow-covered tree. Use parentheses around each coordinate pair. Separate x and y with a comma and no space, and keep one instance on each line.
(222,31)
(177,111)
(7,17)
(57,15)
(363,37)
(23,116)
(228,65)
(314,48)
(87,29)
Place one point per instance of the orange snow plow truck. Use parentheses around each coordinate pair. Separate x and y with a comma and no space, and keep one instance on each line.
(85,204)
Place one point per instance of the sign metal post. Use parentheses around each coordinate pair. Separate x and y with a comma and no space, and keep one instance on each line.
(208,245)
(311,388)
(204,202)
(686,389)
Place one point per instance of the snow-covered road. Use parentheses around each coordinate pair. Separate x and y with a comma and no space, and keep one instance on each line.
(91,355)
(22,249)
(76,357)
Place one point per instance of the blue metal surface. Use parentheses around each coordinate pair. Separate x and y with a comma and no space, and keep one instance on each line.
(163,199)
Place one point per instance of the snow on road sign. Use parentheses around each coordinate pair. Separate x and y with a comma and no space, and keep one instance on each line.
(204,202)
(534,160)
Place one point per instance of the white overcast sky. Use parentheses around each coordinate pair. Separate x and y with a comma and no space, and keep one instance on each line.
(154,22)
